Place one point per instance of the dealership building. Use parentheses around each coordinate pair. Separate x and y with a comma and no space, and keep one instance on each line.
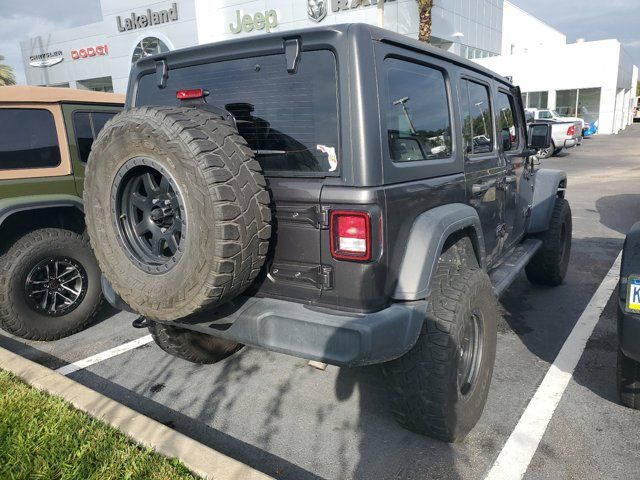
(98,56)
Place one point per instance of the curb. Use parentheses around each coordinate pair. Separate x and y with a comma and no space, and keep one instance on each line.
(200,459)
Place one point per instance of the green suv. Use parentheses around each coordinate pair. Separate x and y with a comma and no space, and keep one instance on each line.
(49,278)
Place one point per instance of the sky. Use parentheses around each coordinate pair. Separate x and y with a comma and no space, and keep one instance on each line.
(21,19)
(589,19)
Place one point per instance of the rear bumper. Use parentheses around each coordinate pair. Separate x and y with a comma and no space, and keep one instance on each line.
(330,336)
(628,332)
(571,142)
(334,337)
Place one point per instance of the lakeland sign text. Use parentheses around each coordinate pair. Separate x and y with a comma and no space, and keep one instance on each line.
(148,19)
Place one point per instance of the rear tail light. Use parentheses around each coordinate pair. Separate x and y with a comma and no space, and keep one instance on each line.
(571,130)
(350,234)
(192,93)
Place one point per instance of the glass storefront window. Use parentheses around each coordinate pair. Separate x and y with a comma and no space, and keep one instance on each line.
(148,46)
(581,102)
(536,99)
(589,104)
(100,84)
(566,101)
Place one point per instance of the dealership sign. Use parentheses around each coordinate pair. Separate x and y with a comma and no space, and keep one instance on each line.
(317,9)
(135,21)
(259,21)
(89,52)
(47,59)
(341,5)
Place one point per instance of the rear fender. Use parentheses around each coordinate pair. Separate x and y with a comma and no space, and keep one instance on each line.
(9,206)
(427,239)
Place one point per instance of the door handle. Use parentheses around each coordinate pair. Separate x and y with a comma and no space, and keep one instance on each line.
(510,179)
(479,188)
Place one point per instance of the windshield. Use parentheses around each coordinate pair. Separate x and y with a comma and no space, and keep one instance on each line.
(290,121)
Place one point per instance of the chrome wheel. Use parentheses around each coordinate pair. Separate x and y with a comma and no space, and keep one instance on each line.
(56,286)
(469,352)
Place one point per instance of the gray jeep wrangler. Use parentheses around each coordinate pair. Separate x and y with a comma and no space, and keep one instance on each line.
(342,194)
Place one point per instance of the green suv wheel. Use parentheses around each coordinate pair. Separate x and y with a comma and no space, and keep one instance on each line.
(49,285)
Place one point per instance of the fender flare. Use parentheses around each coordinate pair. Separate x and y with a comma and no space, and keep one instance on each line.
(546,186)
(10,206)
(426,241)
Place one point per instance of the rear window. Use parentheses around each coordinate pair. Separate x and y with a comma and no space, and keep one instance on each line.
(289,120)
(28,139)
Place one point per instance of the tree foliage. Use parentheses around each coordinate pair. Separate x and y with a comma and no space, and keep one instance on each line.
(6,74)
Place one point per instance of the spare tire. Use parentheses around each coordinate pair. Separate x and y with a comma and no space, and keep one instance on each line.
(177,210)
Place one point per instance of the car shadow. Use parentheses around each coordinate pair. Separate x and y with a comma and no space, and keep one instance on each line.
(619,212)
(543,317)
(105,312)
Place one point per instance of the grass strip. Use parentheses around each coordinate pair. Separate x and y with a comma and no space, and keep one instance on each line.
(43,437)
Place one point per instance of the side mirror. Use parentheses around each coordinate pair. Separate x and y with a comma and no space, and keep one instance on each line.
(539,136)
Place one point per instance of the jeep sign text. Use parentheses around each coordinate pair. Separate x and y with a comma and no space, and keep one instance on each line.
(259,21)
(151,18)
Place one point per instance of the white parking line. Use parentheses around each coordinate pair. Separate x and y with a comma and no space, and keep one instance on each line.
(99,357)
(516,455)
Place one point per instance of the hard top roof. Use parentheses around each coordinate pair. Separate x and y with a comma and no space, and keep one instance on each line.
(28,94)
(344,30)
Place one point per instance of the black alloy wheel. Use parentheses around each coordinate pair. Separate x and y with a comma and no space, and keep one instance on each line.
(469,352)
(56,286)
(49,285)
(150,213)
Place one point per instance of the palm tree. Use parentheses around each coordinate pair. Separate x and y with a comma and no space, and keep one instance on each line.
(424,12)
(6,74)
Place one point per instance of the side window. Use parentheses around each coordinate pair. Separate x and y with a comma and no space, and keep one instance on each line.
(28,139)
(507,123)
(544,114)
(418,120)
(477,126)
(99,119)
(84,133)
(87,125)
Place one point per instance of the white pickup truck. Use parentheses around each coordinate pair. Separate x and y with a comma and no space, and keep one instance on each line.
(549,114)
(566,132)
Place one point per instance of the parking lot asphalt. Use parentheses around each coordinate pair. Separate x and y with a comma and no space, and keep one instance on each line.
(291,421)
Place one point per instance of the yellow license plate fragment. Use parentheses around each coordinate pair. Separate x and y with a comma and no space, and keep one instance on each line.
(633,294)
